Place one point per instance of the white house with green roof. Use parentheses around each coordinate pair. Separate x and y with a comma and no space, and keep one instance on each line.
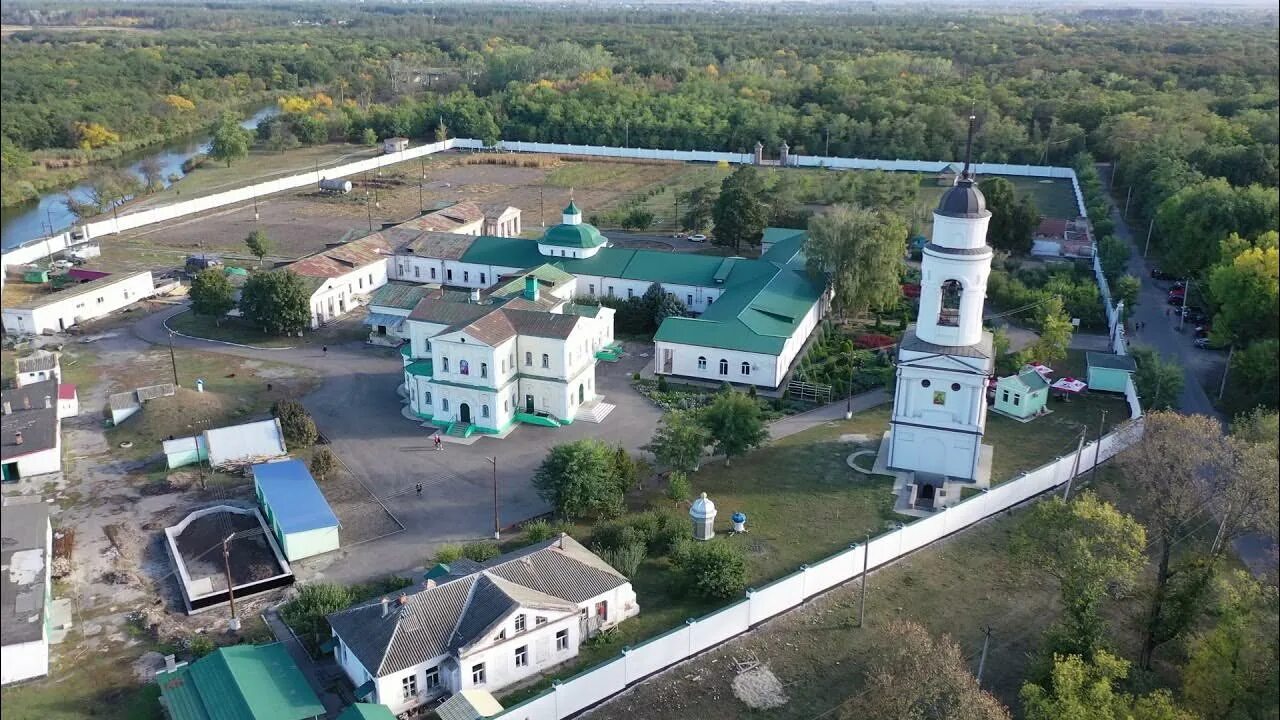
(483,363)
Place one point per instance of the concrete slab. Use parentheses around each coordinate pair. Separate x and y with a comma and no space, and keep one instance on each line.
(60,623)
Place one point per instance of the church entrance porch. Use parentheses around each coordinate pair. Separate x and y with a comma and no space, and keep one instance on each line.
(921,494)
(464,413)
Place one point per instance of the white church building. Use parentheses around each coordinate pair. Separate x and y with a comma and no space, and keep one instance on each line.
(945,361)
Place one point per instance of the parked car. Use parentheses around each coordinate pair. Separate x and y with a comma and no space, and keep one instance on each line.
(698,238)
(1175,300)
(1204,343)
(1179,285)
(680,235)
(60,265)
(1177,292)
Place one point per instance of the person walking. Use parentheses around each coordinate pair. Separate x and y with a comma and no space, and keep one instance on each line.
(325,349)
(419,489)
(436,439)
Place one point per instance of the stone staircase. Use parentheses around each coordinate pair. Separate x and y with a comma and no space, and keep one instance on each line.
(594,411)
(459,430)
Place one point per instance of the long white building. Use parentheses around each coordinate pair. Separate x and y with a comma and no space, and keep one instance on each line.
(76,304)
(752,316)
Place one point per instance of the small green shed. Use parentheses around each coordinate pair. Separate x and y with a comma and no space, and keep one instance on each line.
(35,276)
(1109,372)
(1022,395)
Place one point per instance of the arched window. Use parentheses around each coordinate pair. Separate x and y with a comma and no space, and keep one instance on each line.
(484,411)
(546,360)
(724,366)
(444,404)
(746,368)
(463,367)
(949,310)
(445,362)
(702,363)
(484,370)
(426,398)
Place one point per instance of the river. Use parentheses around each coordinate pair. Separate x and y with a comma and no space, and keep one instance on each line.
(33,219)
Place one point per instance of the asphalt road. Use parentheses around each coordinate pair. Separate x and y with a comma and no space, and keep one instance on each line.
(1258,552)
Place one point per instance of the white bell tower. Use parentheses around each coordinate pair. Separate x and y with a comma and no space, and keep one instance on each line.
(946,358)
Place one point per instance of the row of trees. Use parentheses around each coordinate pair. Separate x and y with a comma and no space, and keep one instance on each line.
(275,302)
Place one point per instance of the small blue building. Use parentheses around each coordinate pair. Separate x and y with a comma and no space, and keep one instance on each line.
(296,510)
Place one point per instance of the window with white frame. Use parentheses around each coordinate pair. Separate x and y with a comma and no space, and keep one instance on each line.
(444,364)
(417,271)
(689,299)
(482,281)
(409,686)
(562,639)
(630,293)
(746,368)
(426,397)
(724,366)
(546,360)
(444,404)
(591,288)
(702,363)
(539,620)
(477,674)
(466,276)
(432,679)
(484,411)
(433,273)
(528,358)
(484,370)
(522,656)
(520,623)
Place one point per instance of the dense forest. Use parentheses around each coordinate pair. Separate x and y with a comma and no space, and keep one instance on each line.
(1184,103)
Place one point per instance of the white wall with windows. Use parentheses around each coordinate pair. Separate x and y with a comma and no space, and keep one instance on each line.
(938,418)
(340,295)
(718,365)
(76,305)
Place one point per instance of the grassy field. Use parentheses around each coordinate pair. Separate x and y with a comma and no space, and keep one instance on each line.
(234,330)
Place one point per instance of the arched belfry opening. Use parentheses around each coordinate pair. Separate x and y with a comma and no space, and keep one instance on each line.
(949,305)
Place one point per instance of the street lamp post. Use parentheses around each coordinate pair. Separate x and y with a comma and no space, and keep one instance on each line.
(234,624)
(497,525)
(173,360)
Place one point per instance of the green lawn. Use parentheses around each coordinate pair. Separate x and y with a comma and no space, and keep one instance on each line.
(803,503)
(230,329)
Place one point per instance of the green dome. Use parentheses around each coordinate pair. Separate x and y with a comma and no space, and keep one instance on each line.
(581,235)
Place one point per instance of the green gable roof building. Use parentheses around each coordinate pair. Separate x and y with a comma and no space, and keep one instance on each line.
(751,317)
(241,682)
(1023,395)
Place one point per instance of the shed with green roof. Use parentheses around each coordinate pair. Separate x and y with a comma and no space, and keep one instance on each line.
(241,682)
(1022,395)
(1109,372)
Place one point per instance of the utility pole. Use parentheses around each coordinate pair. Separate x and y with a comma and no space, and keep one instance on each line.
(234,624)
(1186,292)
(173,360)
(626,133)
(1075,466)
(1222,388)
(255,204)
(848,408)
(497,526)
(1150,226)
(826,152)
(542,206)
(1097,451)
(1127,197)
(982,661)
(862,599)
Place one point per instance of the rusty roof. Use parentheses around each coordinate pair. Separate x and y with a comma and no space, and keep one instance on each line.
(342,259)
(492,329)
(438,245)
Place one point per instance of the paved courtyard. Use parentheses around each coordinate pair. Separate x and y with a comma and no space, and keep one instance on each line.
(359,412)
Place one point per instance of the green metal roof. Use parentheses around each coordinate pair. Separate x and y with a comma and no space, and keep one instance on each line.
(400,295)
(787,245)
(760,308)
(1027,378)
(421,368)
(1111,361)
(546,273)
(583,310)
(572,209)
(242,682)
(504,252)
(367,711)
(580,235)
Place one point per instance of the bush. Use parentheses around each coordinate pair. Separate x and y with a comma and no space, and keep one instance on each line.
(201,645)
(613,535)
(662,383)
(323,462)
(714,570)
(626,559)
(481,551)
(448,554)
(296,423)
(537,531)
(664,532)
(873,340)
(678,488)
(306,613)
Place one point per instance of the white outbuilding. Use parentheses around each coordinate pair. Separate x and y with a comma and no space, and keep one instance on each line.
(703,512)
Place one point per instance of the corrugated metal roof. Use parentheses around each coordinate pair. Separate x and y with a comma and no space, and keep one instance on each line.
(469,704)
(25,528)
(367,711)
(296,503)
(911,341)
(340,260)
(240,682)
(84,288)
(398,295)
(37,361)
(249,441)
